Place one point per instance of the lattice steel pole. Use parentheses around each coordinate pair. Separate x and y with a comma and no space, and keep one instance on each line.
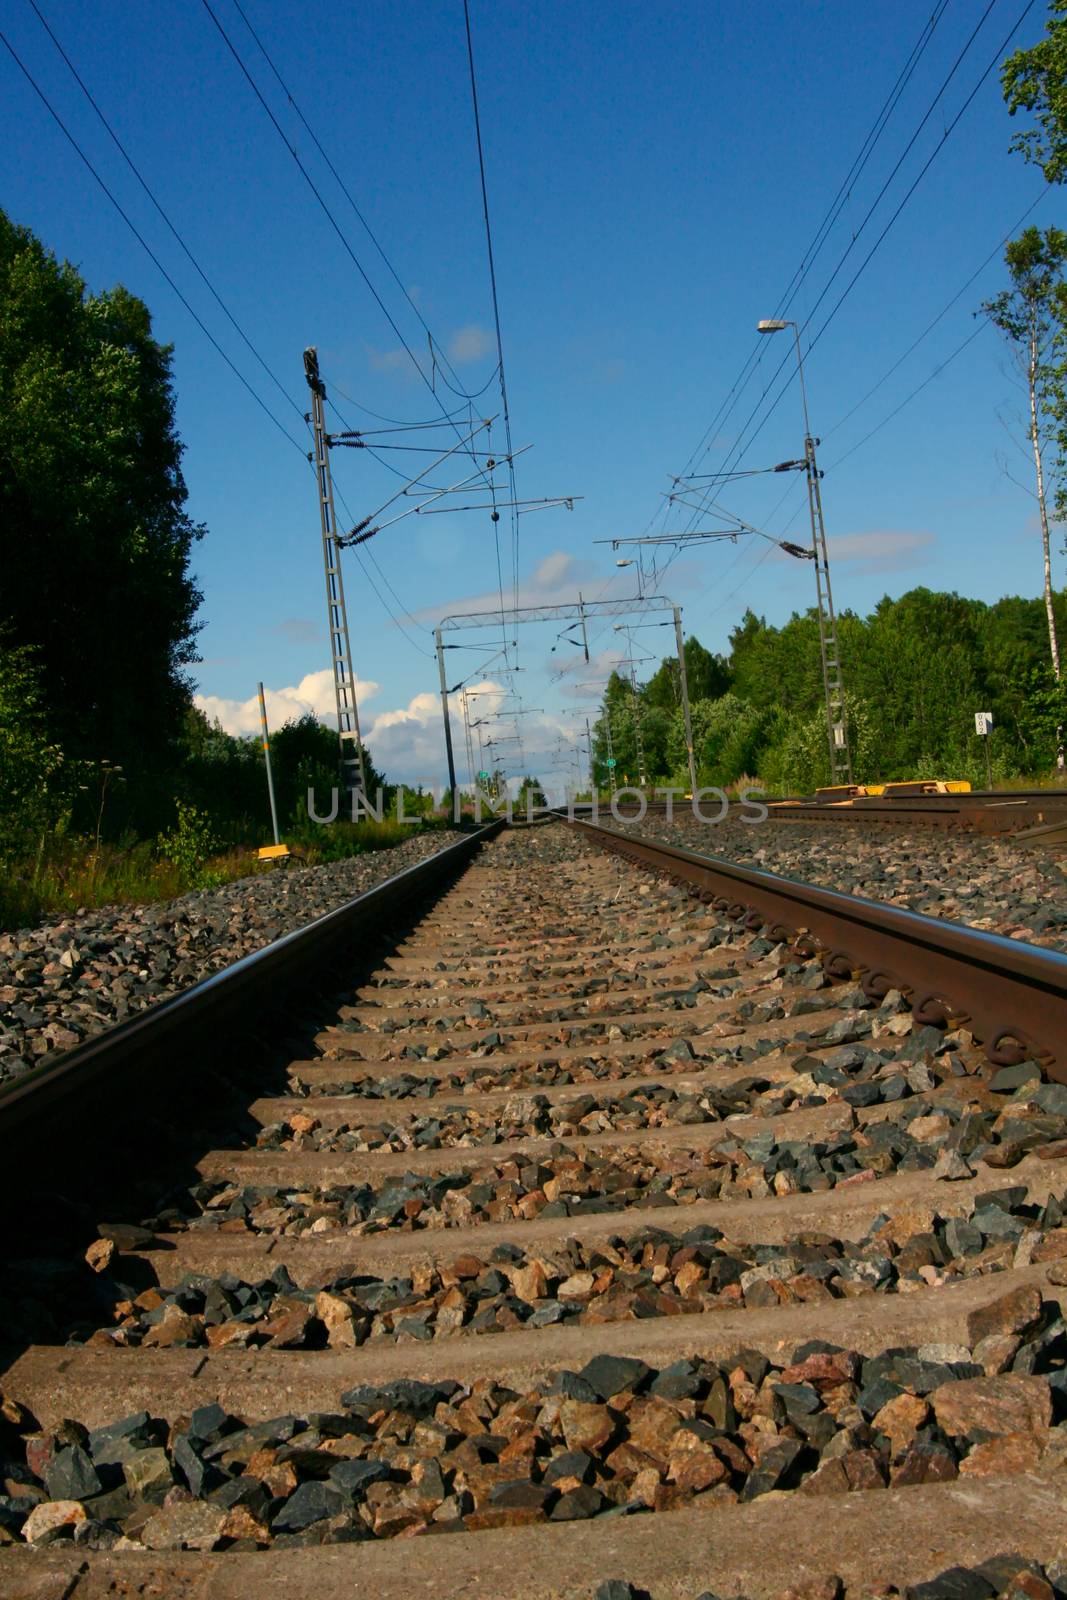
(444,713)
(684,686)
(353,770)
(829,647)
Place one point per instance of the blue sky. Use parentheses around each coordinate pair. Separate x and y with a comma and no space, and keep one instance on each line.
(656,175)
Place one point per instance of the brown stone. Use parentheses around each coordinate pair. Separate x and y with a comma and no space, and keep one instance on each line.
(286,1327)
(100,1254)
(192,1526)
(579,1286)
(829,1477)
(40,1448)
(1014,1312)
(390,1513)
(864,1470)
(1003,1457)
(829,1368)
(465,1267)
(225,1334)
(241,1524)
(303,1122)
(652,1425)
(981,1408)
(626,1461)
(177,1327)
(696,1470)
(338,1318)
(923,1466)
(687,1277)
(51,1515)
(530,1282)
(829,1588)
(900,1420)
(503,1517)
(587,1426)
(996,1353)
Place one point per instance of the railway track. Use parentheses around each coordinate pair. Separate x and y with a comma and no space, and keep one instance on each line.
(1038,813)
(622,1215)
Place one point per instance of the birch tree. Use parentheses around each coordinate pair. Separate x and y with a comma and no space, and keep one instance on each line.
(1029,315)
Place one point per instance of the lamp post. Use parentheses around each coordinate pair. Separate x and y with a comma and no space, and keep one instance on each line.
(833,686)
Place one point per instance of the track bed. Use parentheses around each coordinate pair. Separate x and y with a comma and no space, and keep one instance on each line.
(600,1227)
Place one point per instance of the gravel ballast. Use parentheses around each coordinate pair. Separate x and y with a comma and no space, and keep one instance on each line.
(68,979)
(985,882)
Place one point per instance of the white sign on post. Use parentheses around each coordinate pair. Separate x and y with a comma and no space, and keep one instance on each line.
(983,722)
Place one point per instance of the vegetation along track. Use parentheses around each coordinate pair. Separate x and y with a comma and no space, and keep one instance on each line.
(758,1189)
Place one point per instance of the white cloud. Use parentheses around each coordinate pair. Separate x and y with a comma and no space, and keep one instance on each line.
(579,674)
(313,693)
(555,581)
(389,360)
(881,550)
(408,743)
(298,630)
(469,343)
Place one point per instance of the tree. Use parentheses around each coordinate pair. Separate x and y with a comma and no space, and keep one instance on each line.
(531,793)
(28,758)
(707,676)
(1027,314)
(96,538)
(1035,80)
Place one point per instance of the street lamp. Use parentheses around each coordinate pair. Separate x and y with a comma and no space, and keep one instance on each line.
(833,686)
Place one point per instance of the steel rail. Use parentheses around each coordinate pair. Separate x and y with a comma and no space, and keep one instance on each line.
(146,1057)
(1012,996)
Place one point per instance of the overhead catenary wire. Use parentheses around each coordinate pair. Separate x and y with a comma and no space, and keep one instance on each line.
(496,311)
(435,347)
(362,556)
(807,261)
(179,239)
(743,444)
(830,216)
(320,198)
(143,242)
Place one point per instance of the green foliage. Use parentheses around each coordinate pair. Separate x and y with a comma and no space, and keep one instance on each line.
(1035,80)
(97,541)
(188,845)
(916,671)
(530,792)
(29,760)
(728,736)
(706,676)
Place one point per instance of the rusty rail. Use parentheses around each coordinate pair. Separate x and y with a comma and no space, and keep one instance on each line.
(1012,996)
(154,1065)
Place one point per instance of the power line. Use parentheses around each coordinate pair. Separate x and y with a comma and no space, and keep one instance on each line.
(496,323)
(372,236)
(940,315)
(996,58)
(434,422)
(124,153)
(360,557)
(830,216)
(909,398)
(331,219)
(142,241)
(741,445)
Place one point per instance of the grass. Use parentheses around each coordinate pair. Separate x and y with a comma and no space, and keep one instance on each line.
(72,874)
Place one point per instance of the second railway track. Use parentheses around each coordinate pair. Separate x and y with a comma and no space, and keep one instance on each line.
(606,1227)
